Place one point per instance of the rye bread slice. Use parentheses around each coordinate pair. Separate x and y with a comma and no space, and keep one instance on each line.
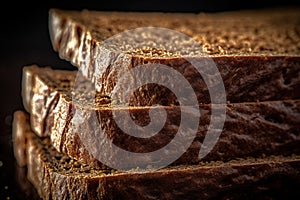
(57,176)
(256,52)
(250,129)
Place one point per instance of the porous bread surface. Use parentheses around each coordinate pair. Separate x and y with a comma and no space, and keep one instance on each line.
(42,87)
(56,176)
(247,126)
(262,32)
(256,53)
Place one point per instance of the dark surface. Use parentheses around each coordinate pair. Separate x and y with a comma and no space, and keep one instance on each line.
(25,41)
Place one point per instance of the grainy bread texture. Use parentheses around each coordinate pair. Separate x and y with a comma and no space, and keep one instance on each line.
(250,129)
(56,176)
(256,52)
(34,90)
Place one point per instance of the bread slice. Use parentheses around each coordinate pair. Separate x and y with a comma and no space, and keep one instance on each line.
(255,52)
(250,129)
(57,176)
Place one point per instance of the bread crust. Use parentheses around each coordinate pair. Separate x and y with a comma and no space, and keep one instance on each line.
(56,176)
(268,71)
(246,129)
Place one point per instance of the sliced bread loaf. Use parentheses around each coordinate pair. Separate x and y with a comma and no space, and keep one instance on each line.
(255,52)
(57,176)
(250,129)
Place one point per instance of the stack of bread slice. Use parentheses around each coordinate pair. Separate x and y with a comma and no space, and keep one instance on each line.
(257,154)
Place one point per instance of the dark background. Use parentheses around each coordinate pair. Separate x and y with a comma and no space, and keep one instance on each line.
(25,40)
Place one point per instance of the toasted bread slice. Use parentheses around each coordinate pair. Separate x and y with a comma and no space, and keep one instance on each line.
(250,129)
(255,53)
